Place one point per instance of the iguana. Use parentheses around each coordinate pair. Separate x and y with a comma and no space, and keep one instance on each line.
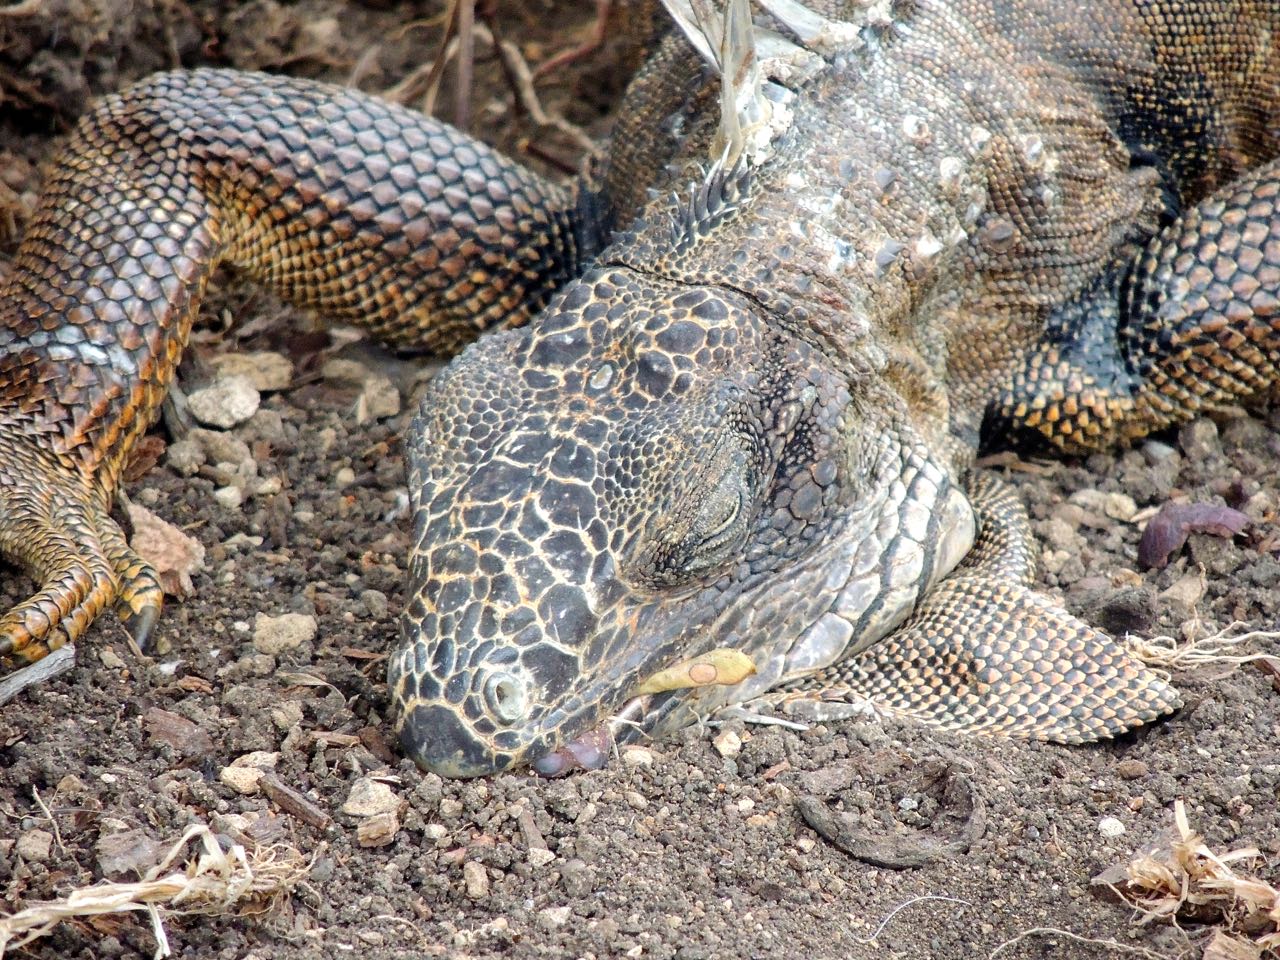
(743,364)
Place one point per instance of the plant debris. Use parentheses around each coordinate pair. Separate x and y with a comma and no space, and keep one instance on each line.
(1189,882)
(1168,530)
(232,881)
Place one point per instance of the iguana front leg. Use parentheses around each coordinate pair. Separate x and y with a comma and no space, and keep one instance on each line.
(334,199)
(1191,325)
(986,653)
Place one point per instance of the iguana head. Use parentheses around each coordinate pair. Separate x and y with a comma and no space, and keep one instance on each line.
(648,471)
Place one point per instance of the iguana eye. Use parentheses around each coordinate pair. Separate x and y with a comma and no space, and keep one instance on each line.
(705,526)
(721,514)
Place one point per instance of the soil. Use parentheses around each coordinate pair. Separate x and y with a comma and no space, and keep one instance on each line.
(690,847)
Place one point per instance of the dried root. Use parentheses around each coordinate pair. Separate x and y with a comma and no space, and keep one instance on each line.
(1189,882)
(216,881)
(1168,653)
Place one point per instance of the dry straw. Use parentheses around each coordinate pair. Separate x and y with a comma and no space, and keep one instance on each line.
(1188,881)
(217,881)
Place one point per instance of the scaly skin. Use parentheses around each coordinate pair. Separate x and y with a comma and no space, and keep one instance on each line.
(750,422)
(335,200)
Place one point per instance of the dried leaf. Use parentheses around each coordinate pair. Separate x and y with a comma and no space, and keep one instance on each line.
(1168,530)
(174,555)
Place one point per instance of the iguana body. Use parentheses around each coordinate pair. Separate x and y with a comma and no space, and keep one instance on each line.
(750,422)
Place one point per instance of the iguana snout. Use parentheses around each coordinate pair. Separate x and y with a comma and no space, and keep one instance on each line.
(647,472)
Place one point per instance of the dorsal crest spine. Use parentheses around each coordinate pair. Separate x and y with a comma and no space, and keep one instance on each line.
(712,201)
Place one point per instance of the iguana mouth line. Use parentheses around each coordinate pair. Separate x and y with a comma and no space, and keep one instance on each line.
(591,750)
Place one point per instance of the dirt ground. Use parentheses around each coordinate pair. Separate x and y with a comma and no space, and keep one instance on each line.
(689,848)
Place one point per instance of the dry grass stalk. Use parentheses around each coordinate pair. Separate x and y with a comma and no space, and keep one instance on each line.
(217,881)
(1190,881)
(1168,653)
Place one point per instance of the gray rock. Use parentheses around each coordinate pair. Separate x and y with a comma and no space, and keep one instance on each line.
(1199,440)
(224,403)
(274,635)
(378,400)
(185,457)
(1156,452)
(35,845)
(221,447)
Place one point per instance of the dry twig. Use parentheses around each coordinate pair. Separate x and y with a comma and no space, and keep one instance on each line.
(55,664)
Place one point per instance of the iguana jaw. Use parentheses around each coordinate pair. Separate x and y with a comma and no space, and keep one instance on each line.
(873,584)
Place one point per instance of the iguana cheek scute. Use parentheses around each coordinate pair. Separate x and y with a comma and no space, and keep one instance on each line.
(889,571)
(741,369)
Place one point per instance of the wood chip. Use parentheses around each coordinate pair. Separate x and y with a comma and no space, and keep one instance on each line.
(182,735)
(54,665)
(294,803)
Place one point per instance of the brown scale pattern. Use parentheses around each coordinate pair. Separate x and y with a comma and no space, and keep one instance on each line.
(1200,325)
(337,201)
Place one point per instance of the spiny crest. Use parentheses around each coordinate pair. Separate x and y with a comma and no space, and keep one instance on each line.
(715,198)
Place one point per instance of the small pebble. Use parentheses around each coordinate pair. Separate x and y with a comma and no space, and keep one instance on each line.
(1110,827)
(229,498)
(1156,452)
(243,780)
(1119,506)
(1199,440)
(1059,534)
(476,880)
(218,446)
(378,400)
(550,918)
(263,369)
(35,845)
(635,800)
(287,715)
(110,659)
(450,809)
(634,755)
(727,743)
(1131,770)
(378,830)
(1185,593)
(375,603)
(577,878)
(184,457)
(369,797)
(224,403)
(341,370)
(540,857)
(274,635)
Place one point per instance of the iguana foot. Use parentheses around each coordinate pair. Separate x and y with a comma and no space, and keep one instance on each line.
(141,596)
(985,653)
(51,523)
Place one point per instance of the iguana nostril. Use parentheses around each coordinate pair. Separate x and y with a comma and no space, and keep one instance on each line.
(506,696)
